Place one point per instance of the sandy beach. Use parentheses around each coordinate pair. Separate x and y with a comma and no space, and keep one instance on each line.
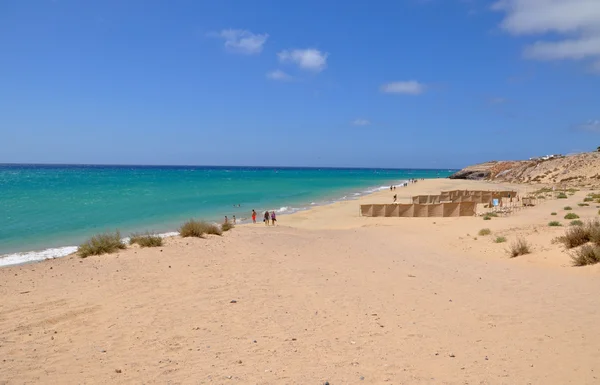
(325,296)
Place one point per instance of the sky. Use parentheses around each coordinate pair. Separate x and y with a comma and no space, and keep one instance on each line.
(404,83)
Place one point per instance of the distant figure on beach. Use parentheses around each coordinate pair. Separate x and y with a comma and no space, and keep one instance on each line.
(266,218)
(234,219)
(226,220)
(273,218)
(253,216)
(394,187)
(391,188)
(395,197)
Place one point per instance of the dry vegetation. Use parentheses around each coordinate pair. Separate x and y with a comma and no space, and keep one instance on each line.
(101,244)
(194,228)
(500,240)
(483,232)
(571,216)
(146,240)
(519,247)
(554,224)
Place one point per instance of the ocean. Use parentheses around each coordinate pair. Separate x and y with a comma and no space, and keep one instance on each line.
(46,210)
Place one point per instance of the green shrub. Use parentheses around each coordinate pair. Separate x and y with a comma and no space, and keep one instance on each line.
(101,244)
(227,226)
(487,218)
(586,255)
(576,222)
(194,228)
(519,247)
(582,204)
(554,224)
(567,208)
(552,213)
(146,240)
(588,199)
(500,240)
(572,190)
(483,232)
(571,216)
(562,196)
(492,214)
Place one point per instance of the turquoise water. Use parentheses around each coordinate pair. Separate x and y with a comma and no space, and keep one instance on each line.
(54,206)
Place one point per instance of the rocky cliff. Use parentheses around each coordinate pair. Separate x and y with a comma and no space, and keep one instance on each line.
(580,170)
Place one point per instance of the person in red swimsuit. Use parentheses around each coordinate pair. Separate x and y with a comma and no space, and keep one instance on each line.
(253,216)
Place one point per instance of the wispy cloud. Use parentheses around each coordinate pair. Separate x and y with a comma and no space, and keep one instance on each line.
(279,75)
(575,25)
(590,126)
(242,41)
(411,87)
(361,122)
(308,59)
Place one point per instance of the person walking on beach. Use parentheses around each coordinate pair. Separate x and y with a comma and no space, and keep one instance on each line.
(253,216)
(226,220)
(234,219)
(273,218)
(266,220)
(395,198)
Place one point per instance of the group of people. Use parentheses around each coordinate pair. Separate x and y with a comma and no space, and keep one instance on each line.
(266,218)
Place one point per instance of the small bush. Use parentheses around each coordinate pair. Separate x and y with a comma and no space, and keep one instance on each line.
(146,240)
(227,226)
(572,190)
(487,218)
(483,232)
(552,213)
(519,247)
(500,240)
(567,208)
(576,222)
(562,196)
(554,224)
(212,229)
(588,199)
(574,236)
(571,216)
(582,204)
(101,244)
(492,214)
(587,255)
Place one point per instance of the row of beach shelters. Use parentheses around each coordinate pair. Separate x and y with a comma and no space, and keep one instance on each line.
(455,203)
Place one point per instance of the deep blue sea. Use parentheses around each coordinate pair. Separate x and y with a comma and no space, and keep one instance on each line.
(46,210)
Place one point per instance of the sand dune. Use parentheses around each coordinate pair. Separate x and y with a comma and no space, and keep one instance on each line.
(326,296)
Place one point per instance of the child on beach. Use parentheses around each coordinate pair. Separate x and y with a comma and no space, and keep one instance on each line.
(234,219)
(253,216)
(266,218)
(273,218)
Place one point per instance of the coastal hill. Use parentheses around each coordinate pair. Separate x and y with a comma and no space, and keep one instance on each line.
(572,170)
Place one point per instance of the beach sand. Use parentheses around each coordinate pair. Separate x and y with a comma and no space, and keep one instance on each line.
(325,296)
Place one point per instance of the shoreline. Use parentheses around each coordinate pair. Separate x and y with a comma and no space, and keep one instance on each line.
(398,300)
(34,256)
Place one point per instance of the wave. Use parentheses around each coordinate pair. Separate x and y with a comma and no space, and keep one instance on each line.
(52,253)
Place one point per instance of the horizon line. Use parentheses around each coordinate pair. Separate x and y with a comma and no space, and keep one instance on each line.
(217,166)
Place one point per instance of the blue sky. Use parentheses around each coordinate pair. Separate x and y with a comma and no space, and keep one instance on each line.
(413,83)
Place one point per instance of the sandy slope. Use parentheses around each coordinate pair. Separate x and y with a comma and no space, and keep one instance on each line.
(326,296)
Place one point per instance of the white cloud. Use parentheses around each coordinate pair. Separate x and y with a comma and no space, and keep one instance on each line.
(361,122)
(278,75)
(574,23)
(242,41)
(308,59)
(590,126)
(411,87)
